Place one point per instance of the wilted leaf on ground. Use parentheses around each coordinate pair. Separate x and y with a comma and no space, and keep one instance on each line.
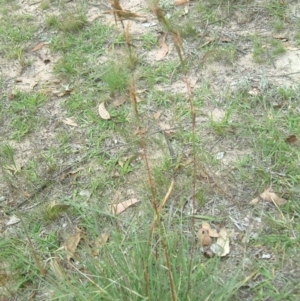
(99,243)
(103,112)
(163,47)
(38,47)
(205,233)
(203,237)
(70,121)
(223,242)
(293,140)
(56,268)
(71,244)
(165,127)
(180,2)
(269,196)
(119,101)
(211,232)
(13,220)
(254,201)
(119,208)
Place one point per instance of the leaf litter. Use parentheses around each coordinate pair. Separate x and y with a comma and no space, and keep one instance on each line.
(100,241)
(163,47)
(103,112)
(38,47)
(120,207)
(205,238)
(71,244)
(205,234)
(269,196)
(70,121)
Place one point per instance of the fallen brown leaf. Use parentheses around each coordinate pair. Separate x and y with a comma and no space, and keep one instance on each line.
(293,140)
(211,232)
(165,127)
(119,208)
(269,196)
(57,269)
(203,237)
(180,2)
(13,220)
(119,101)
(163,47)
(223,242)
(71,244)
(103,112)
(99,243)
(70,121)
(38,47)
(254,201)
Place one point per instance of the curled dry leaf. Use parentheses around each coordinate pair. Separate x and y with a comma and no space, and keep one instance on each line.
(223,242)
(211,232)
(57,269)
(70,121)
(99,243)
(254,201)
(120,207)
(71,244)
(38,47)
(103,112)
(180,2)
(165,127)
(203,237)
(13,220)
(163,47)
(269,196)
(293,140)
(119,101)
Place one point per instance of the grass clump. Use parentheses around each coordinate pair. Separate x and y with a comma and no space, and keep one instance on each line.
(23,110)
(16,36)
(69,22)
(115,77)
(186,142)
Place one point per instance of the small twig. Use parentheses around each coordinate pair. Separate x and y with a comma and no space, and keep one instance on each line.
(283,75)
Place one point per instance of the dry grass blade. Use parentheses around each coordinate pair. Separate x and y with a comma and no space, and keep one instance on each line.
(166,196)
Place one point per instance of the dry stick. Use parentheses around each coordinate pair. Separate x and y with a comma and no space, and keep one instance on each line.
(178,45)
(34,254)
(152,188)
